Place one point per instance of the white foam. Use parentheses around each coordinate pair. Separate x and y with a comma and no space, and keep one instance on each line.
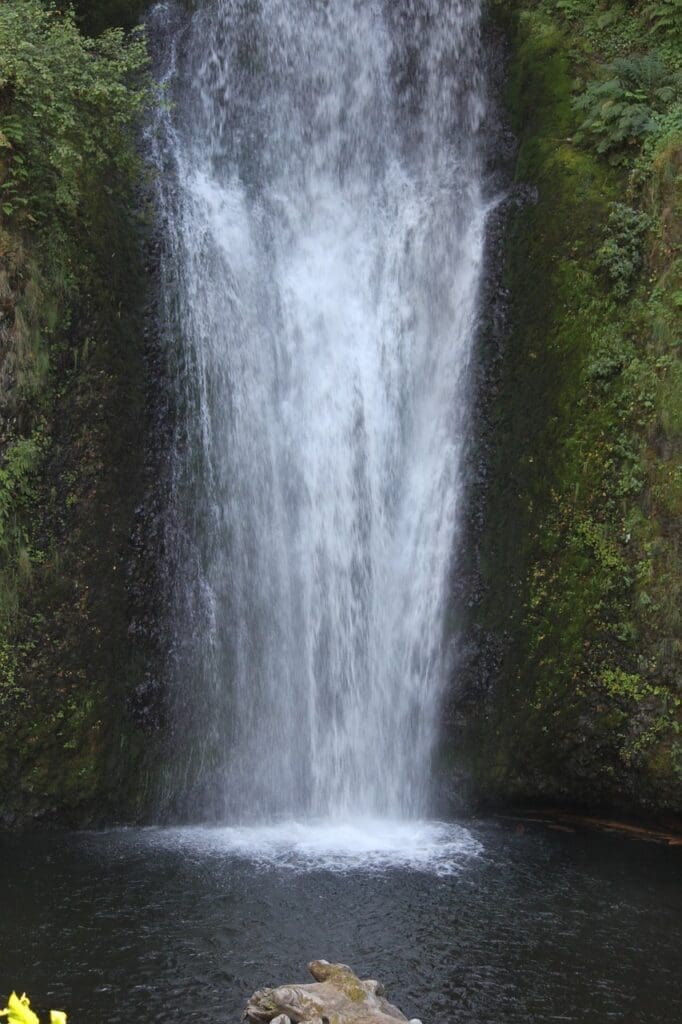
(367,844)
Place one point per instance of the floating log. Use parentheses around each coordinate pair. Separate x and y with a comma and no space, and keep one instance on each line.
(568,822)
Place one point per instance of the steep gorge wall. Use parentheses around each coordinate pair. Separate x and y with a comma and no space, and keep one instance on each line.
(75,412)
(569,690)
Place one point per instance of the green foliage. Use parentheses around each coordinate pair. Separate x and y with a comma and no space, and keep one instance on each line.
(572,9)
(628,685)
(606,361)
(69,106)
(629,105)
(17,485)
(665,17)
(617,29)
(11,693)
(620,254)
(18,478)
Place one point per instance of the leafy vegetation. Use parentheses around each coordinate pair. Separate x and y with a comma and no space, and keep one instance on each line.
(71,224)
(630,104)
(665,17)
(69,108)
(585,506)
(621,253)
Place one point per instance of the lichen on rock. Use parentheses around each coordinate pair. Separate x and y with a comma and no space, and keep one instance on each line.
(337,996)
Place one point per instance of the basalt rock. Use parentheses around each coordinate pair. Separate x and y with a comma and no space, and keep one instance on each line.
(337,996)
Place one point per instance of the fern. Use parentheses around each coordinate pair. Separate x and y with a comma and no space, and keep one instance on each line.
(665,18)
(623,110)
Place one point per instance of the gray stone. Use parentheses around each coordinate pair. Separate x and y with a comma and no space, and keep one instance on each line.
(337,995)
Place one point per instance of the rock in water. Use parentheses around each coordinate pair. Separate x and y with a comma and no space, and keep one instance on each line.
(336,997)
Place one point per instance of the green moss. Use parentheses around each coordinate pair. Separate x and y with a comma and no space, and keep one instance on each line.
(581,554)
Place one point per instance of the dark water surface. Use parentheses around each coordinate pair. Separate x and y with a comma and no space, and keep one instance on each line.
(128,926)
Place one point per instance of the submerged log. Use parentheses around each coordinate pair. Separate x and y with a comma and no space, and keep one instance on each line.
(337,996)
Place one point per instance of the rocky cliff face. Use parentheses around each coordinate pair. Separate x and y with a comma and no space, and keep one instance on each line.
(75,412)
(568,689)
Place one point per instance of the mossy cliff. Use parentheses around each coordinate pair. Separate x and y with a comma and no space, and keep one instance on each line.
(570,687)
(73,413)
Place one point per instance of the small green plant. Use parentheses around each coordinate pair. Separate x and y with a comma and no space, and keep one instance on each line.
(625,108)
(620,254)
(17,482)
(572,9)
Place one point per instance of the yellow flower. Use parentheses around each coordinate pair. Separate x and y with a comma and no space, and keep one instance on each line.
(18,1010)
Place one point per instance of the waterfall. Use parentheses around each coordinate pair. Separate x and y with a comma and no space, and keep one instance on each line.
(322,204)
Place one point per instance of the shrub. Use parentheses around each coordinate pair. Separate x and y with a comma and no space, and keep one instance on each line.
(622,110)
(69,106)
(620,254)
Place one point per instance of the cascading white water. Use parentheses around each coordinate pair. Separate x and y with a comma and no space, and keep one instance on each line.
(323,212)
